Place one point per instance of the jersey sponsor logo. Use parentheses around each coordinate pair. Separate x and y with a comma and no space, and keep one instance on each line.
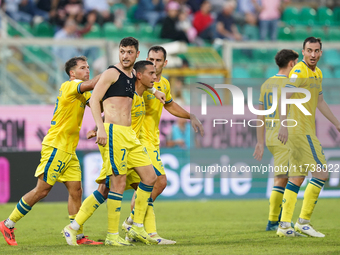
(53,176)
(297,71)
(122,166)
(150,97)
(293,77)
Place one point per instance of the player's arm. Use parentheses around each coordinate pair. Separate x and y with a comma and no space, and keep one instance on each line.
(259,148)
(88,85)
(158,94)
(283,131)
(104,82)
(178,111)
(326,111)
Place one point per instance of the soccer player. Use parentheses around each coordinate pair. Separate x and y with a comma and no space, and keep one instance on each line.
(59,161)
(119,148)
(149,137)
(285,60)
(305,151)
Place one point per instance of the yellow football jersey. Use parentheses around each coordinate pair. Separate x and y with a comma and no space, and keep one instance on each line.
(301,76)
(149,134)
(67,117)
(278,81)
(137,113)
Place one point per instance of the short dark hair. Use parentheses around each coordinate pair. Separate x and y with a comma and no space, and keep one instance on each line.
(71,63)
(312,39)
(129,41)
(156,49)
(283,57)
(140,66)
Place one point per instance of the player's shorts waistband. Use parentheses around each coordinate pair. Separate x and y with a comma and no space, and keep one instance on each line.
(119,126)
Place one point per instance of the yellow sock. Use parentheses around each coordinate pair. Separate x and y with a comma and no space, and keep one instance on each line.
(114,201)
(90,204)
(311,197)
(150,218)
(142,196)
(21,209)
(275,203)
(289,201)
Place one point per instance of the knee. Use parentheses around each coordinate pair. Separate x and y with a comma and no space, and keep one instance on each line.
(161,183)
(150,178)
(76,193)
(40,194)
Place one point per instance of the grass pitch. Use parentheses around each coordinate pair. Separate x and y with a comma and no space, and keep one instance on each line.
(199,227)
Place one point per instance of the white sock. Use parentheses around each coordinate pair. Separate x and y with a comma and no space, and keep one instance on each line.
(112,233)
(75,225)
(80,236)
(129,220)
(8,223)
(303,221)
(285,224)
(138,224)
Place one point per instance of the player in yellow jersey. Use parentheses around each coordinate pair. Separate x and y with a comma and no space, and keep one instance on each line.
(305,151)
(59,161)
(285,60)
(149,136)
(145,76)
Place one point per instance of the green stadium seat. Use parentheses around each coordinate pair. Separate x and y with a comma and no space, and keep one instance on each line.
(290,16)
(240,72)
(128,30)
(239,57)
(300,33)
(256,72)
(318,32)
(325,16)
(336,16)
(326,72)
(39,53)
(14,32)
(285,34)
(43,29)
(157,30)
(94,33)
(11,31)
(251,32)
(264,56)
(131,14)
(118,7)
(307,16)
(110,31)
(331,57)
(271,71)
(145,32)
(334,34)
(337,73)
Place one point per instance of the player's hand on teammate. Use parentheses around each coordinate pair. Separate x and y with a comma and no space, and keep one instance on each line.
(91,134)
(160,96)
(101,137)
(283,134)
(338,128)
(196,124)
(258,153)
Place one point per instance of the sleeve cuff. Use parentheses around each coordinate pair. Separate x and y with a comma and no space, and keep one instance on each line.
(78,88)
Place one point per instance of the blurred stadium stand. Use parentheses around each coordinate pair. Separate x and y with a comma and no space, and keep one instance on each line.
(36,72)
